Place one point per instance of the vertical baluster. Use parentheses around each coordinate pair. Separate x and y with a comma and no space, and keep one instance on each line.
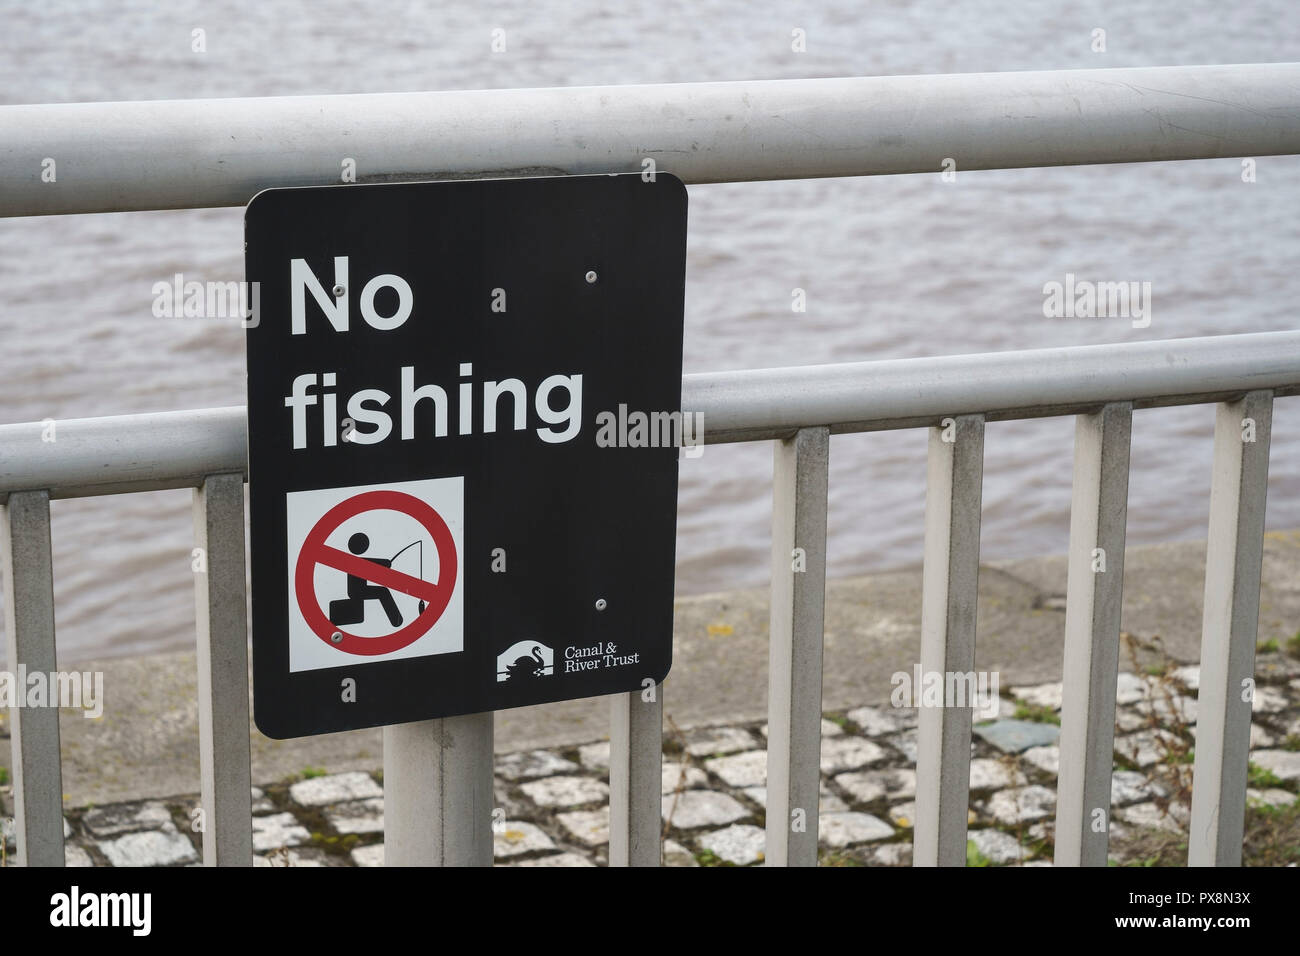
(795,663)
(635,777)
(222,630)
(29,638)
(1233,560)
(1094,598)
(954,489)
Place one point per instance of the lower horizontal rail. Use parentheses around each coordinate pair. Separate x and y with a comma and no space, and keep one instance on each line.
(99,456)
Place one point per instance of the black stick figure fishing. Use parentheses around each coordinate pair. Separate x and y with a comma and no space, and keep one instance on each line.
(352,609)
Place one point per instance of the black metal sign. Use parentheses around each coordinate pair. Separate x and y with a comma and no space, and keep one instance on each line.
(463,432)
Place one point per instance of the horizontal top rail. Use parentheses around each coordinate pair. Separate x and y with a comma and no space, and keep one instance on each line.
(173,154)
(98,456)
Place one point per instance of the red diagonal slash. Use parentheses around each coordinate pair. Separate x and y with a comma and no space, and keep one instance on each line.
(375,573)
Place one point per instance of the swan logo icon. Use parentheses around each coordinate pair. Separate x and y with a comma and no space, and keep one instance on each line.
(525,661)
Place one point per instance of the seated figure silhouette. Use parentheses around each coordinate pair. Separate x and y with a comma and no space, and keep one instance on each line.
(352,609)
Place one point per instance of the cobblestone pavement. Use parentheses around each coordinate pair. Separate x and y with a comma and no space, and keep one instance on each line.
(556,801)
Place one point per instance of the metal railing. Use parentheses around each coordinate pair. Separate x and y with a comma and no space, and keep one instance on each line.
(439,774)
(800,408)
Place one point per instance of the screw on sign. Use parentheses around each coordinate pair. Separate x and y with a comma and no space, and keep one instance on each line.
(373,579)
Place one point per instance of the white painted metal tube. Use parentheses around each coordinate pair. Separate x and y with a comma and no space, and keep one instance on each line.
(636,777)
(221,619)
(904,393)
(438,792)
(172,154)
(1094,597)
(29,637)
(950,575)
(1233,565)
(96,456)
(798,611)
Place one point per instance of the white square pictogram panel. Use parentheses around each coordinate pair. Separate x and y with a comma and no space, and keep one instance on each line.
(375,572)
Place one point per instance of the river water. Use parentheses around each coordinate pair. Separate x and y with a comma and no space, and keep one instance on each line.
(891,266)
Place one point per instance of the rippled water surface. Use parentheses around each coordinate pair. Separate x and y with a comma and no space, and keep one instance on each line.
(892,266)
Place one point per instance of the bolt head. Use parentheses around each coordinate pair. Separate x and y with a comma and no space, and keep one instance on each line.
(336,637)
(591,278)
(338,291)
(601,604)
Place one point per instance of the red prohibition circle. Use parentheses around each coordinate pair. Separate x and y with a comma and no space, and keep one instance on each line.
(315,551)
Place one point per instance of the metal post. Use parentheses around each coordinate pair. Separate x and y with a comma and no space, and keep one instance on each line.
(635,777)
(221,616)
(795,664)
(954,490)
(438,792)
(29,638)
(1233,561)
(1094,599)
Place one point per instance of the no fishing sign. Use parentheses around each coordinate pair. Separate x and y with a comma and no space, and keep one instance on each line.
(464,426)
